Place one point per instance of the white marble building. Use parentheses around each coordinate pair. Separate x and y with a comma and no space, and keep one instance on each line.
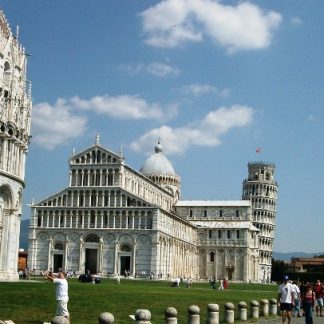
(112,218)
(261,189)
(15,114)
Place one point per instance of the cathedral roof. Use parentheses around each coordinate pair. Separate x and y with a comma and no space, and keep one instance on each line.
(157,164)
(213,203)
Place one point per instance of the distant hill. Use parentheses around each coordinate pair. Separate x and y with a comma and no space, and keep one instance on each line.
(23,240)
(288,255)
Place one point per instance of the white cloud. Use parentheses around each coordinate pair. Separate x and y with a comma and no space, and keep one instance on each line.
(198,89)
(245,26)
(125,107)
(206,132)
(56,125)
(162,69)
(155,68)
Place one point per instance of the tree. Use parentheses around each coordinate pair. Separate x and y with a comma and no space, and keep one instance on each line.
(278,270)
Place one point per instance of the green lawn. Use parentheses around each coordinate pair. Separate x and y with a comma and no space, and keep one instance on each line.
(34,302)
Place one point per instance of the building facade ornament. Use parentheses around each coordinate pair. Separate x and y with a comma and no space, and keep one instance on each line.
(15,115)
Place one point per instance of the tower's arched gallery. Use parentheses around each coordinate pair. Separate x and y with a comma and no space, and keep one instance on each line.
(15,114)
(112,218)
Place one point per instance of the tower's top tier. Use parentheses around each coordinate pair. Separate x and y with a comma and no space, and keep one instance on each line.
(261,171)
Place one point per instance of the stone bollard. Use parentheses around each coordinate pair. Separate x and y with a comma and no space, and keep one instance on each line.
(106,318)
(143,316)
(193,314)
(229,313)
(171,315)
(212,314)
(254,309)
(273,306)
(60,320)
(242,306)
(264,307)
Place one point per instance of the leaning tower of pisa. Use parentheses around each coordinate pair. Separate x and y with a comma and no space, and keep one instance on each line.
(261,189)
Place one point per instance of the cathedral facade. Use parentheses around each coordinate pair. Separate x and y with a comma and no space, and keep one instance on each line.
(15,114)
(113,219)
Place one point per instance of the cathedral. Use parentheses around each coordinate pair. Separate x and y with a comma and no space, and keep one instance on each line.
(112,219)
(15,114)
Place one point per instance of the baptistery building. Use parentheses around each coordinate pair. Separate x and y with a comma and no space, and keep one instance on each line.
(113,219)
(15,115)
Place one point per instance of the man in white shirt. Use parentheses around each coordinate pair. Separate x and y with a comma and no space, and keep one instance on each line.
(286,299)
(296,293)
(62,296)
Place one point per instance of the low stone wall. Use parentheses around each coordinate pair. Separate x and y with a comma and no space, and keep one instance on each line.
(256,309)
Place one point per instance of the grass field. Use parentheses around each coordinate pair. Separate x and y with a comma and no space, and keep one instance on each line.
(34,301)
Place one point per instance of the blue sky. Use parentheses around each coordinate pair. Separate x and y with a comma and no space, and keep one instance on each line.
(213,79)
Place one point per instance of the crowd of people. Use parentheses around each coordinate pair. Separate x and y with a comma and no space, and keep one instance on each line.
(297,299)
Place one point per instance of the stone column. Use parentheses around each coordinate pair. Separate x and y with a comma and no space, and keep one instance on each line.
(106,318)
(101,243)
(193,314)
(264,307)
(229,313)
(254,309)
(116,258)
(143,316)
(101,219)
(242,311)
(212,314)
(65,218)
(81,256)
(49,255)
(273,306)
(134,260)
(171,316)
(66,247)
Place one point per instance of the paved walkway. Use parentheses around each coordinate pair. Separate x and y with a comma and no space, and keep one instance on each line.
(294,320)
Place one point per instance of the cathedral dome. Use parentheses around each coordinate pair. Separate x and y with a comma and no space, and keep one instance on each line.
(157,164)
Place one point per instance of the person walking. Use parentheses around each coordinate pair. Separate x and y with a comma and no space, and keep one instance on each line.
(308,304)
(62,296)
(319,296)
(296,292)
(285,299)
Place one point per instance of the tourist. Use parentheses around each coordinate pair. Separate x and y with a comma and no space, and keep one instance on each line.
(213,283)
(308,304)
(319,296)
(62,296)
(221,285)
(285,299)
(225,283)
(296,293)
